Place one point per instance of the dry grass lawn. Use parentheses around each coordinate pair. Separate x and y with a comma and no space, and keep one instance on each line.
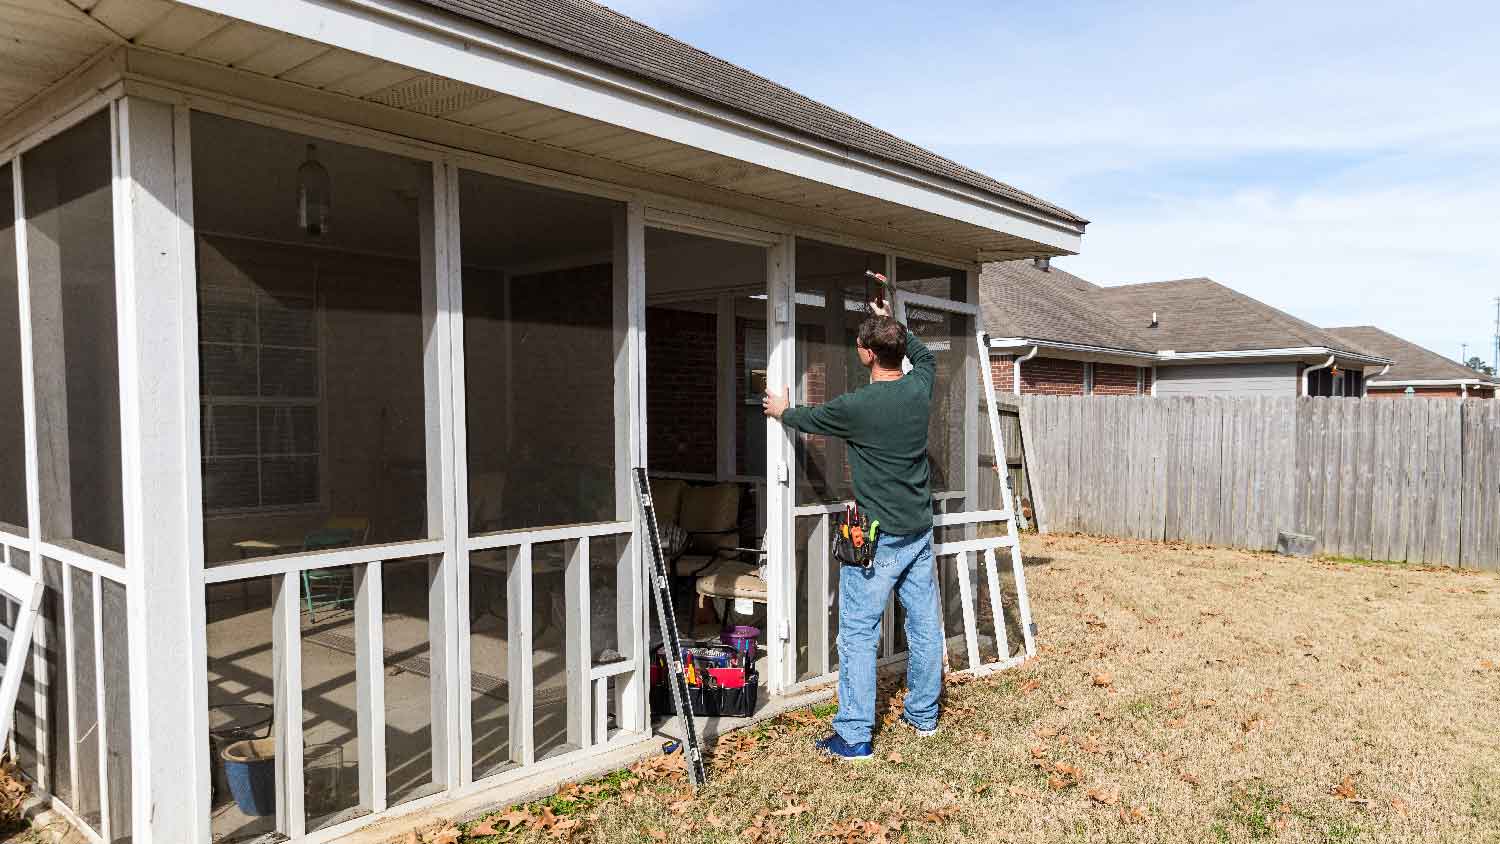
(1181,694)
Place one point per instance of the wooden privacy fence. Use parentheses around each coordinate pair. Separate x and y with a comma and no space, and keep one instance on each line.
(1386,479)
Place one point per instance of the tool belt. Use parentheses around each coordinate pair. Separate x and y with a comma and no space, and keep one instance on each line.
(854,537)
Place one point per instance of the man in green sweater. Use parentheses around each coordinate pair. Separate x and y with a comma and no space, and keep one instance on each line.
(885,425)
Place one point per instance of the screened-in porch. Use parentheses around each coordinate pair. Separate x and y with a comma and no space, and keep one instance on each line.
(321,388)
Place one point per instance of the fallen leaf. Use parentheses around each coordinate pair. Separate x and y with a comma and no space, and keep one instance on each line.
(563,827)
(1345,789)
(1104,796)
(791,810)
(655,834)
(1251,723)
(1176,722)
(894,758)
(1103,679)
(981,788)
(1190,779)
(513,818)
(447,835)
(1038,752)
(1207,703)
(1399,805)
(1030,686)
(1057,783)
(547,820)
(483,828)
(1137,814)
(1047,732)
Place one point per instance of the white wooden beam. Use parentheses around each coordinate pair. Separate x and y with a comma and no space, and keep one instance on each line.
(158,312)
(781,609)
(519,664)
(576,645)
(286,657)
(369,682)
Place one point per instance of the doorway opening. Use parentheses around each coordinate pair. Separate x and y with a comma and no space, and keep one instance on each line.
(706,439)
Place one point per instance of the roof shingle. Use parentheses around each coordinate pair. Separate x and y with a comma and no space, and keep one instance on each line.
(1201,315)
(1412,362)
(1017,299)
(603,35)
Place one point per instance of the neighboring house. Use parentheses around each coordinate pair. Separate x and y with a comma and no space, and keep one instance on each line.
(1056,334)
(1417,371)
(1050,335)
(327,332)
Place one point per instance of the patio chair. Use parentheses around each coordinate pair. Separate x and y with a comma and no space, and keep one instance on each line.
(332,588)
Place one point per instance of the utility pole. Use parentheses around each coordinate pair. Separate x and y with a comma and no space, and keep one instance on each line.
(1463,353)
(1495,361)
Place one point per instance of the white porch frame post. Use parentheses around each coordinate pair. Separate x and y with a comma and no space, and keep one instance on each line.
(158,321)
(447,605)
(40,642)
(781,333)
(632,700)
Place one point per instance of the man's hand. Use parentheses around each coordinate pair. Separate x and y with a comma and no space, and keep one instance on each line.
(880,307)
(775,405)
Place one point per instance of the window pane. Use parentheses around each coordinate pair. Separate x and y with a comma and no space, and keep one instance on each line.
(12,423)
(489,660)
(312,343)
(242,654)
(85,696)
(832,290)
(70,247)
(950,338)
(330,701)
(541,336)
(116,681)
(51,644)
(407,633)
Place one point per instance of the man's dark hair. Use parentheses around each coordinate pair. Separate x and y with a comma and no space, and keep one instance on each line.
(885,338)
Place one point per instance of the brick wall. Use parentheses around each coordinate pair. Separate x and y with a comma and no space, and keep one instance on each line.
(1429,393)
(681,379)
(1002,369)
(1112,379)
(1043,376)
(1051,377)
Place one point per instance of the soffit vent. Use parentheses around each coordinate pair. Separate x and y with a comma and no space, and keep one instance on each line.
(432,95)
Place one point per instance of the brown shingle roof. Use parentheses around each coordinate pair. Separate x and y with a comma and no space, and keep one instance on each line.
(1412,362)
(603,35)
(1201,315)
(1017,299)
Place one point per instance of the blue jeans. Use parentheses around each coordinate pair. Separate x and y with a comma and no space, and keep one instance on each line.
(902,563)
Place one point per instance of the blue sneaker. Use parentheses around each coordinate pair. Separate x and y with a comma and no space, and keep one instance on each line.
(842,751)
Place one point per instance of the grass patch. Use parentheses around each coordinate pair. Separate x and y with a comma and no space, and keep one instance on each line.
(1252,699)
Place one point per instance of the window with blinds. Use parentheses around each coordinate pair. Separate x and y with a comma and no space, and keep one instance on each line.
(261,402)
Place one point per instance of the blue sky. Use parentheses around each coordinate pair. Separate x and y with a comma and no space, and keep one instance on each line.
(1338,160)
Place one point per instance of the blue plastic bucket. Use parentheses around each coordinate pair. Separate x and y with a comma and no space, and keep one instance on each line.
(250,768)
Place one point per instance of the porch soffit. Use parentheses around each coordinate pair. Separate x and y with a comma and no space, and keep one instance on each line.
(79,29)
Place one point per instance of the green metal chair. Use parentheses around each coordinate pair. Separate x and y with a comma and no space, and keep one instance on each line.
(332,588)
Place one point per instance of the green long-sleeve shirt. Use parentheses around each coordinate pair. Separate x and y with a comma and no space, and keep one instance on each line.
(885,424)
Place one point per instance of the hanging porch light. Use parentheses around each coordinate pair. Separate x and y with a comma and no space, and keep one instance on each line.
(314,195)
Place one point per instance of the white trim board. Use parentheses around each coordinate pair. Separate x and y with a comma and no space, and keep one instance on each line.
(428,40)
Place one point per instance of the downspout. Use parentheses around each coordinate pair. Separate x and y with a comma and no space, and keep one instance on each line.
(1364,384)
(1307,375)
(1015,369)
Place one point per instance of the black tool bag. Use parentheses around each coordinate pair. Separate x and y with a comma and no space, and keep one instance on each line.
(853,544)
